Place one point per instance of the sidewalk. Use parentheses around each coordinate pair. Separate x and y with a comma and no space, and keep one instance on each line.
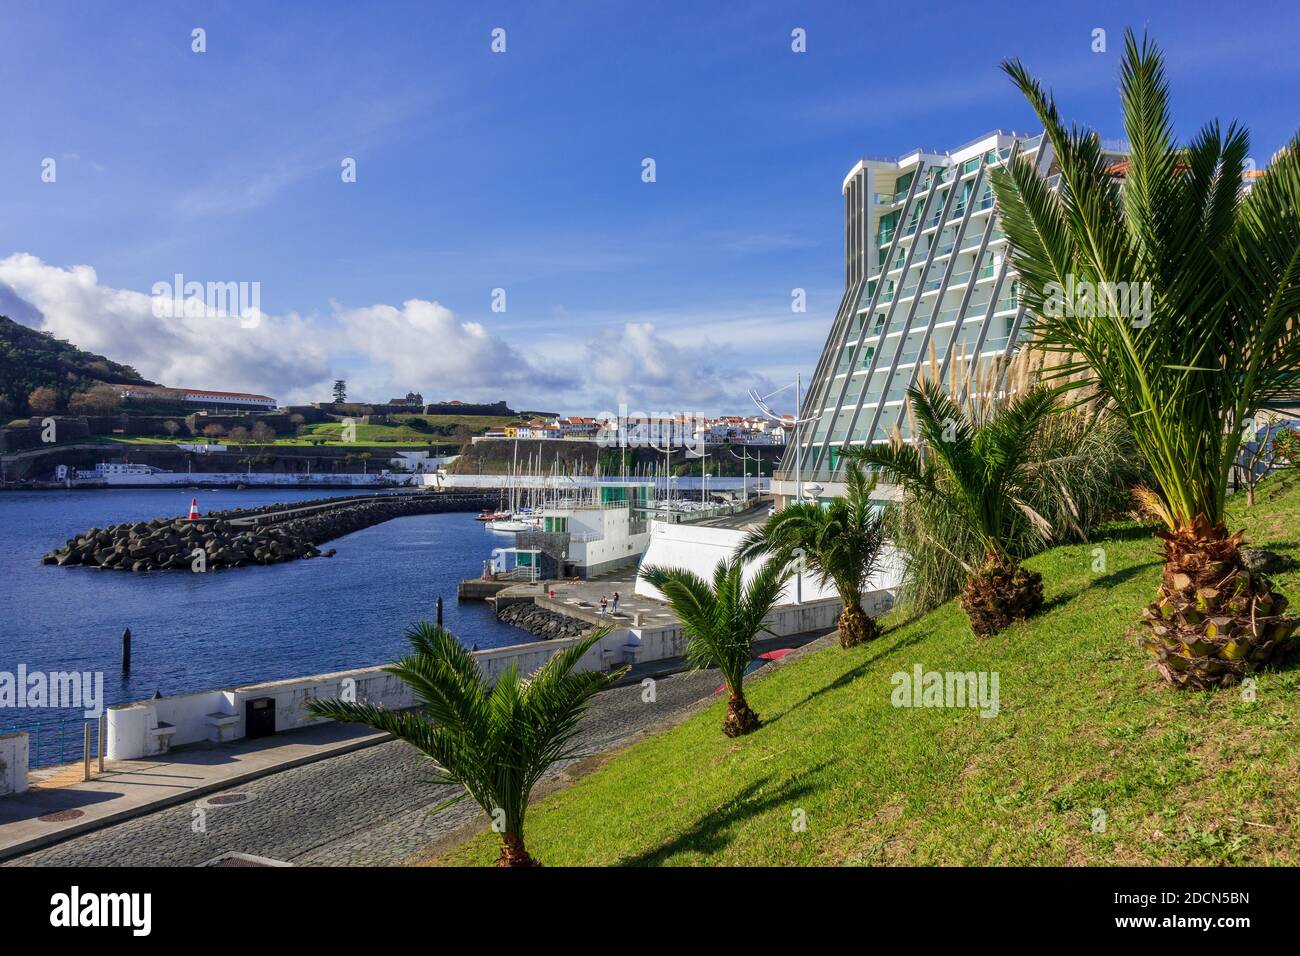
(60,805)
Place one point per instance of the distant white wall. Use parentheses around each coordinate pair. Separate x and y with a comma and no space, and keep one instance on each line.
(13,764)
(278,479)
(681,484)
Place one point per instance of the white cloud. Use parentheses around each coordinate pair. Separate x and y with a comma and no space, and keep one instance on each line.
(424,342)
(651,373)
(381,350)
(676,363)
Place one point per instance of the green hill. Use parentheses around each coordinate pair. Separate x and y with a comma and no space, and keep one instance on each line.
(30,358)
(1083,729)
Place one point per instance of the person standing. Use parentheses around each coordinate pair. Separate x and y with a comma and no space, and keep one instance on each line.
(615,603)
(604,603)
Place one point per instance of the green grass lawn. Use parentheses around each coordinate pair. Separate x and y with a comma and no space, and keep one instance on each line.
(374,434)
(399,442)
(1084,728)
(331,432)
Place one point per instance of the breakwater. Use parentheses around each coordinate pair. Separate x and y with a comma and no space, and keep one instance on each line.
(268,534)
(542,622)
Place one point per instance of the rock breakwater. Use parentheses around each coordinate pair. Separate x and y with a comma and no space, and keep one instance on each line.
(232,539)
(542,622)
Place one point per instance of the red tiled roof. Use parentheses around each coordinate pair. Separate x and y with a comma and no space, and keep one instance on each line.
(205,391)
(165,390)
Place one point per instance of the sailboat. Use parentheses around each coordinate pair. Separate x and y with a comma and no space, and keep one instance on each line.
(516,518)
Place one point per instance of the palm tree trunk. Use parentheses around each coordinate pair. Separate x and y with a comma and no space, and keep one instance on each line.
(855,627)
(740,720)
(513,852)
(999,593)
(1213,620)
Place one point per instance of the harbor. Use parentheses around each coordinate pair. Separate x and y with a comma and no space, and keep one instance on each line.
(228,627)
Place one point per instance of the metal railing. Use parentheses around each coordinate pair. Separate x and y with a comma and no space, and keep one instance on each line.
(51,743)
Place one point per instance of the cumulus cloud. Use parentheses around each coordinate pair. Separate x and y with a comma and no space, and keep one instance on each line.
(382,350)
(425,342)
(204,350)
(385,350)
(650,372)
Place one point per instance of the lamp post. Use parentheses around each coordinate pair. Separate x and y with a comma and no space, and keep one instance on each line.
(743,457)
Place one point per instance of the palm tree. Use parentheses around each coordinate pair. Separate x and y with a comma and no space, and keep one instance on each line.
(1220,272)
(495,740)
(721,620)
(978,468)
(842,544)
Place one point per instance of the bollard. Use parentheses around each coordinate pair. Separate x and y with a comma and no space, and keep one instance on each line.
(126,651)
(103,722)
(86,752)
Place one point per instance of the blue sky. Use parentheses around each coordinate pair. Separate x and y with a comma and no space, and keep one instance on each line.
(520,171)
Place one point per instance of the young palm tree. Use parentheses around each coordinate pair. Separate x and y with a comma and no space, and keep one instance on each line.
(495,740)
(842,544)
(978,468)
(721,620)
(1220,273)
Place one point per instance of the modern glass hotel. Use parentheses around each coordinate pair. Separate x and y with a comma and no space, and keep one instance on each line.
(925,273)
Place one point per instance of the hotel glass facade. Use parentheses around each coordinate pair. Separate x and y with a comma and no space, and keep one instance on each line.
(925,272)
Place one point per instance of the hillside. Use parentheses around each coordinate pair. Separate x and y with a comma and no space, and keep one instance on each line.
(32,359)
(1084,728)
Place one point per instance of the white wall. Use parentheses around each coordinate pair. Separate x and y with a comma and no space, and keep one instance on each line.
(13,764)
(151,727)
(699,549)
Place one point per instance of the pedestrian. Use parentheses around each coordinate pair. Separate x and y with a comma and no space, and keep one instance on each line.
(604,602)
(615,602)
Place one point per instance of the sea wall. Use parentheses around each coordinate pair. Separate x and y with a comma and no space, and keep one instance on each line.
(152,727)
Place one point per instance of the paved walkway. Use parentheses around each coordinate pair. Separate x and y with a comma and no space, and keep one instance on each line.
(333,795)
(368,807)
(60,803)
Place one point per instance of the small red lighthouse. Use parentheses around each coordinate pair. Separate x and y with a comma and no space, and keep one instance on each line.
(194,509)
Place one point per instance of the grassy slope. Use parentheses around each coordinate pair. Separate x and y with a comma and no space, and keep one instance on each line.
(1182,778)
(365,434)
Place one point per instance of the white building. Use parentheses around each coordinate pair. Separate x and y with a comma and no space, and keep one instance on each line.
(925,272)
(586,538)
(204,398)
(119,469)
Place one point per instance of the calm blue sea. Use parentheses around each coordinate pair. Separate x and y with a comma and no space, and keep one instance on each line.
(197,631)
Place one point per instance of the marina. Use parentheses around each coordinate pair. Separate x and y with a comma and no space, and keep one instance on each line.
(193,631)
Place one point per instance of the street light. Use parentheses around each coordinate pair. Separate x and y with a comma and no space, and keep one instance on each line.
(704,477)
(744,469)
